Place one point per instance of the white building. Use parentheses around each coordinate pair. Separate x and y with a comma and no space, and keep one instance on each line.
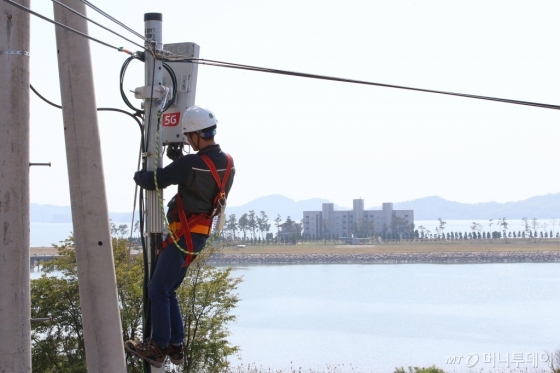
(357,222)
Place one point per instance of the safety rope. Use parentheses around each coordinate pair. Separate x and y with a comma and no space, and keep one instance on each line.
(160,110)
(159,113)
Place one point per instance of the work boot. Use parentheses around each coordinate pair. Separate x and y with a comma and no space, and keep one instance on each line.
(175,354)
(147,350)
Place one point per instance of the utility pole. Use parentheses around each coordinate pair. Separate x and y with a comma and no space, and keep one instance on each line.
(154,219)
(15,309)
(90,216)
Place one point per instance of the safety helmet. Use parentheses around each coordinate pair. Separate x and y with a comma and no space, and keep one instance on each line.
(196,119)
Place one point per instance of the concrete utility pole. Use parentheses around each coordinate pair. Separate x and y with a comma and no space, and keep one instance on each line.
(90,216)
(153,77)
(15,309)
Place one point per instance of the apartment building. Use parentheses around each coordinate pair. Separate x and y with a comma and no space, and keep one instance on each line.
(357,222)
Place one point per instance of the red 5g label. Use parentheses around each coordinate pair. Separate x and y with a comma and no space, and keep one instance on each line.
(171,119)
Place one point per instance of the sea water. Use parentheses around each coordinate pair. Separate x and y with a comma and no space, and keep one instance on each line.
(377,317)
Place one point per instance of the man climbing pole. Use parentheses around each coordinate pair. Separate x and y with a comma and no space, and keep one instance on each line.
(204,180)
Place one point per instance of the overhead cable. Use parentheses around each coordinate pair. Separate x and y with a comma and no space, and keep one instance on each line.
(345,80)
(120,49)
(133,116)
(95,23)
(116,21)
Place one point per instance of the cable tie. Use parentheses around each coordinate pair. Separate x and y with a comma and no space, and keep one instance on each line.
(121,49)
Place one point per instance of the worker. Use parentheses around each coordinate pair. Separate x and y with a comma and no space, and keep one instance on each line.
(204,181)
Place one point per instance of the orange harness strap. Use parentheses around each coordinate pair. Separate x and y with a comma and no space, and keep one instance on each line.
(197,221)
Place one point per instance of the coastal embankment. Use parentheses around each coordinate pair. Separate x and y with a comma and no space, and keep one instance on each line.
(386,258)
(437,252)
(440,252)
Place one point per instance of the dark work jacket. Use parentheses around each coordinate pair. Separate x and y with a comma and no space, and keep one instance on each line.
(197,186)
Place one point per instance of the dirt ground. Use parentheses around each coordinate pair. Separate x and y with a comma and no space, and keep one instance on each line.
(403,247)
(520,245)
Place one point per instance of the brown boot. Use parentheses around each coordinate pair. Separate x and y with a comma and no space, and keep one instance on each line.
(175,354)
(147,350)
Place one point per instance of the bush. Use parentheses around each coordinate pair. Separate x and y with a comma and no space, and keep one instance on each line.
(431,369)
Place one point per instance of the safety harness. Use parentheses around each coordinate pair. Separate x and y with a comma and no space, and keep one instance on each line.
(198,223)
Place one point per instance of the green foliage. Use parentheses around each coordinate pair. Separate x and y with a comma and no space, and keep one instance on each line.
(431,369)
(206,300)
(58,346)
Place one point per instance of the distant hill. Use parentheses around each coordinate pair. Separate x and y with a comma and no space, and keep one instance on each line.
(278,204)
(63,214)
(430,208)
(427,208)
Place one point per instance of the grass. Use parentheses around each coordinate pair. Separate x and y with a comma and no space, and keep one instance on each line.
(513,245)
(341,368)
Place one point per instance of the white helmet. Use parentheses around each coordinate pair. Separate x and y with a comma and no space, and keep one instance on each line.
(196,119)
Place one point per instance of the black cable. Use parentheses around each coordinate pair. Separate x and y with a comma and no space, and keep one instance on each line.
(344,80)
(285,72)
(44,99)
(115,20)
(95,23)
(174,82)
(61,25)
(135,116)
(121,84)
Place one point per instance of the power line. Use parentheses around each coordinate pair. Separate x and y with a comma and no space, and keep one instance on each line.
(63,26)
(132,115)
(116,21)
(177,58)
(345,80)
(95,23)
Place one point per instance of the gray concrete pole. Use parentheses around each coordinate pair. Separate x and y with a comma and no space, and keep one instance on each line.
(15,309)
(153,76)
(90,216)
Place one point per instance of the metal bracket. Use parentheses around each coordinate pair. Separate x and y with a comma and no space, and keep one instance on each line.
(143,93)
(12,52)
(40,164)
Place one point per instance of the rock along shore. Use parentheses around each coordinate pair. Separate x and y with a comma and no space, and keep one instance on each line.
(387,258)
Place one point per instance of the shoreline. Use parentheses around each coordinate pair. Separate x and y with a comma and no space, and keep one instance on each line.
(386,258)
(454,252)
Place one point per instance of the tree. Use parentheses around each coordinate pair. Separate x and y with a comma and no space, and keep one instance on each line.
(535,225)
(252,223)
(476,227)
(119,231)
(231,224)
(244,225)
(206,299)
(422,228)
(264,226)
(278,220)
(490,223)
(441,224)
(58,346)
(504,224)
(397,224)
(553,222)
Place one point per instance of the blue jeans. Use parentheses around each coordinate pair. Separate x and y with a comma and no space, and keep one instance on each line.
(167,323)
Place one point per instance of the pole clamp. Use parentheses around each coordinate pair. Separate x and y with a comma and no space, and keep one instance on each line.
(12,52)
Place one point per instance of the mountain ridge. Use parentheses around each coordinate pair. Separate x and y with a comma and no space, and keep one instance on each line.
(426,208)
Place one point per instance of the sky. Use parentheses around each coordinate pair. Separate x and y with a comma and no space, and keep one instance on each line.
(305,138)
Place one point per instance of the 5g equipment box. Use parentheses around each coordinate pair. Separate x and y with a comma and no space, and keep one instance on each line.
(186,73)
